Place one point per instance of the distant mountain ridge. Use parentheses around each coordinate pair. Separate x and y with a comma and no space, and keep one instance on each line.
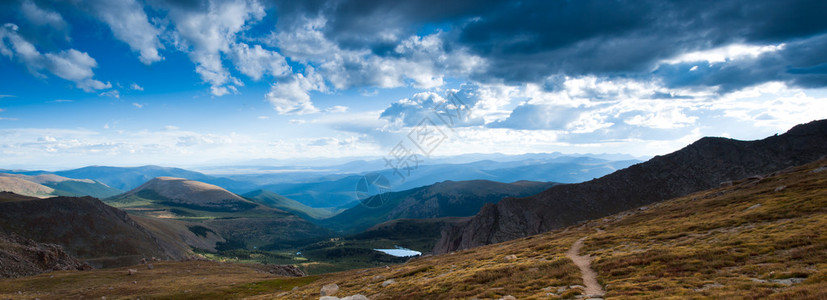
(701,165)
(444,199)
(339,191)
(49,185)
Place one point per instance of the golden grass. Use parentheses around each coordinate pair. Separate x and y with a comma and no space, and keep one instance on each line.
(167,280)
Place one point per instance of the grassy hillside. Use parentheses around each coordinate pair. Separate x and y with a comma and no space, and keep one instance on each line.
(756,238)
(48,185)
(24,187)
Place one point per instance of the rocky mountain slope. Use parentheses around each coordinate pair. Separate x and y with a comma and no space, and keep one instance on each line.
(702,165)
(24,257)
(86,228)
(444,199)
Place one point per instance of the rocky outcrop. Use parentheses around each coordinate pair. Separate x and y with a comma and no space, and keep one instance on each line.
(24,257)
(701,165)
(281,270)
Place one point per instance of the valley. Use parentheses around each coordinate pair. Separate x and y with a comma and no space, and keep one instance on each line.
(395,150)
(602,235)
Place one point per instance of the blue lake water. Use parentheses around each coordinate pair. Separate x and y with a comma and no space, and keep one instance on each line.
(400,252)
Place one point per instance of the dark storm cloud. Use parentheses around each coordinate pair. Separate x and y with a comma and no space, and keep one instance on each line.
(531,40)
(526,41)
(801,63)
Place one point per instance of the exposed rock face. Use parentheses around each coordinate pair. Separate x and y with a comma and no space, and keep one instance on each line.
(23,257)
(282,270)
(701,165)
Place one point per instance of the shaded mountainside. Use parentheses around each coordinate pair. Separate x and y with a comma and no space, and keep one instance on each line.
(444,199)
(87,228)
(702,165)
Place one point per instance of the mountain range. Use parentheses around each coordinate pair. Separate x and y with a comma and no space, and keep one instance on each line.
(756,237)
(704,164)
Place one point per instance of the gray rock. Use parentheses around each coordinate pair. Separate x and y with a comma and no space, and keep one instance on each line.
(388,282)
(329,289)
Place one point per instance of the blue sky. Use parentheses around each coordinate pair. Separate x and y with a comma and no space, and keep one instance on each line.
(184,83)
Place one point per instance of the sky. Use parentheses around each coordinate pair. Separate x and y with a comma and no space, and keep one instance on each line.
(185,82)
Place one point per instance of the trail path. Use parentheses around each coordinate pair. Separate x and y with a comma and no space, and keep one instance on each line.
(593,288)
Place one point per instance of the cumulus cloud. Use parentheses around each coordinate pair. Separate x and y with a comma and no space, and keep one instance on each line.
(136,87)
(70,64)
(256,61)
(42,17)
(336,109)
(129,23)
(292,96)
(210,31)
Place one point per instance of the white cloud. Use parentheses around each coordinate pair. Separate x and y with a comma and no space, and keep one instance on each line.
(418,61)
(725,53)
(293,96)
(336,109)
(138,105)
(212,32)
(136,87)
(170,128)
(129,23)
(256,61)
(70,64)
(111,93)
(662,119)
(42,17)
